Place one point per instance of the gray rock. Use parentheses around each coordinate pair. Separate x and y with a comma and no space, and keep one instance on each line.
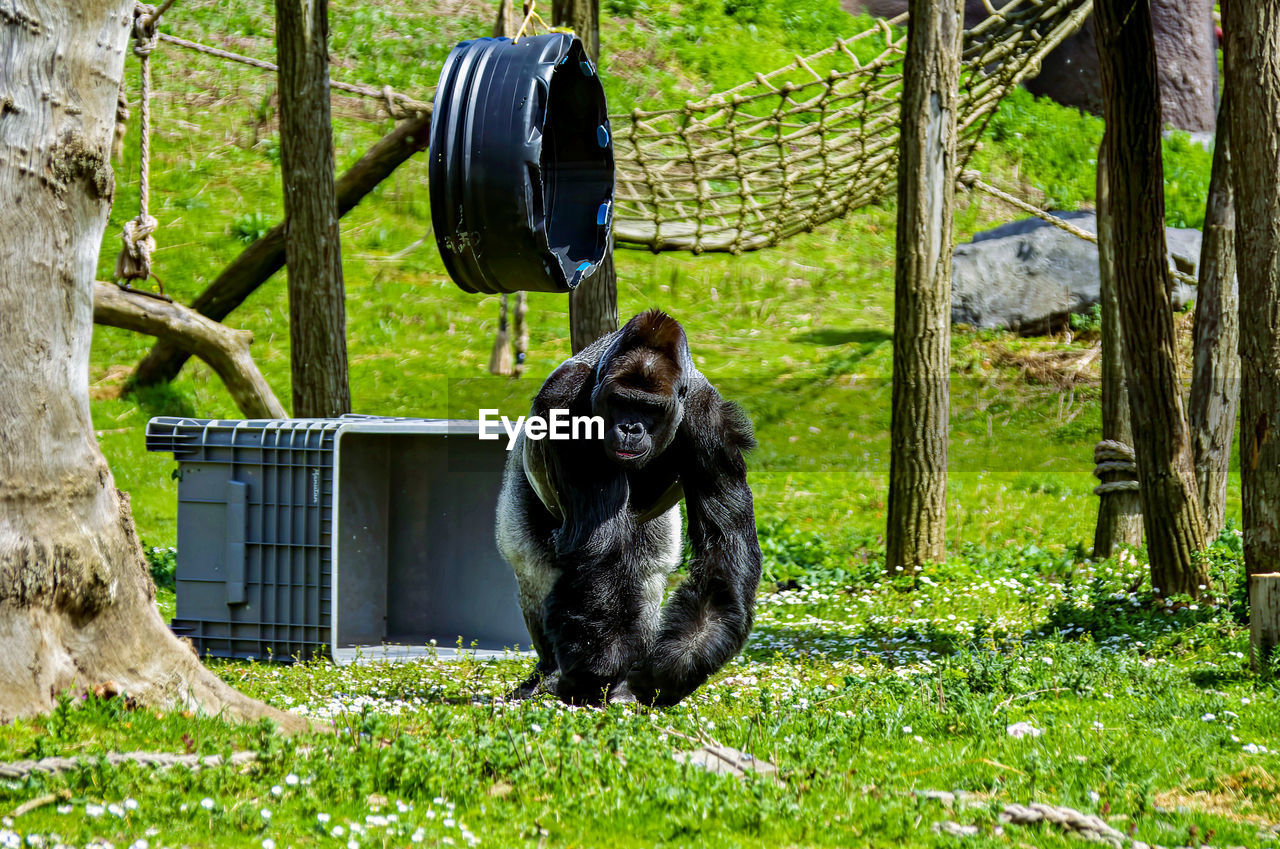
(1029,276)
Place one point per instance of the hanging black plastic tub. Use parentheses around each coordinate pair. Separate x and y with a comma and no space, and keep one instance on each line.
(521,165)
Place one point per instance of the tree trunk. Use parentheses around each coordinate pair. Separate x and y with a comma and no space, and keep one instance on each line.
(1253,79)
(1119,510)
(1187,62)
(1215,383)
(1264,619)
(593,306)
(256,263)
(317,312)
(1170,500)
(76,603)
(916,528)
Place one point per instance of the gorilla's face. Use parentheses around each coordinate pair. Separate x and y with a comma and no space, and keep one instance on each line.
(637,428)
(640,401)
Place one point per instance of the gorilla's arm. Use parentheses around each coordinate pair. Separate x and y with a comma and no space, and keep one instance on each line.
(708,617)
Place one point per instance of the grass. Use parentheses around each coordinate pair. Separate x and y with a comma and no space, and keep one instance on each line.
(861,689)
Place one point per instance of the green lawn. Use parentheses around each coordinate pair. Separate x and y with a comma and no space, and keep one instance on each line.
(862,690)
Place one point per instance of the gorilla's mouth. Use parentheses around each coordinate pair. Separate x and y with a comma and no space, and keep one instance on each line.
(629,455)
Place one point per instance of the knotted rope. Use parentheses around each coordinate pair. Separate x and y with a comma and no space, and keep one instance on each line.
(973,180)
(1113,457)
(1070,821)
(17,770)
(134,261)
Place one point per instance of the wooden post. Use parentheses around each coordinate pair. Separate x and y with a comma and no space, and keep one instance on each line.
(593,306)
(317,308)
(915,533)
(1171,512)
(1252,62)
(1215,382)
(1119,510)
(1264,618)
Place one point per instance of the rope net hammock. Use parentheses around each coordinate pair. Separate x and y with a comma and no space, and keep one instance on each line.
(807,143)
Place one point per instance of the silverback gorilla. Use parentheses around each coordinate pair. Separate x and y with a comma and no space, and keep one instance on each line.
(592,527)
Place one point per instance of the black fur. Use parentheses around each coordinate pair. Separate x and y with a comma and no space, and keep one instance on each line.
(592,530)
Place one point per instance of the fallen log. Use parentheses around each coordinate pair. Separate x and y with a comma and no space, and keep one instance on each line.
(225,349)
(256,263)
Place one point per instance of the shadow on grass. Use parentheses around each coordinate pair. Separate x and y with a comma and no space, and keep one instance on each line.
(868,337)
(897,646)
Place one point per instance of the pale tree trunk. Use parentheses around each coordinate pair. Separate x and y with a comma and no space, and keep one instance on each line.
(76,603)
(1170,500)
(313,254)
(1187,62)
(1119,510)
(916,529)
(1253,79)
(593,306)
(1215,382)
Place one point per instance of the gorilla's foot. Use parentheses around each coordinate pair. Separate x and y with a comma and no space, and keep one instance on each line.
(536,684)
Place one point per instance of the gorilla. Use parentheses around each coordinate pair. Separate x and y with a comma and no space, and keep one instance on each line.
(591,526)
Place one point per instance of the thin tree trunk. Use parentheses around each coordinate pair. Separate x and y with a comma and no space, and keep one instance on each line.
(1215,382)
(317,312)
(593,306)
(1170,500)
(916,528)
(1120,510)
(1253,79)
(256,263)
(76,602)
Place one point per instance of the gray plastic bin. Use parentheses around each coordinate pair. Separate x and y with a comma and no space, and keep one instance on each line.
(352,537)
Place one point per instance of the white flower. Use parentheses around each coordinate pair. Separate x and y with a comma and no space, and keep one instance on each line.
(535,728)
(139,844)
(322,817)
(93,810)
(131,804)
(291,780)
(1208,717)
(206,803)
(266,813)
(418,836)
(65,809)
(1023,729)
(268,843)
(1094,797)
(277,790)
(338,831)
(906,729)
(115,810)
(1097,726)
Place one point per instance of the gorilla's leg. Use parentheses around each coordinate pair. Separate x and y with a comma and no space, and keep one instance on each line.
(543,675)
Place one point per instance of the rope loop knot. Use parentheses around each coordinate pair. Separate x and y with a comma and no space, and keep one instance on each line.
(1112,457)
(145,32)
(134,260)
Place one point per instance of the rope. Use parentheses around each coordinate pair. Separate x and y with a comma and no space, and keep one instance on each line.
(806,143)
(1112,457)
(1075,823)
(134,261)
(18,770)
(971,178)
(398,105)
(1088,826)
